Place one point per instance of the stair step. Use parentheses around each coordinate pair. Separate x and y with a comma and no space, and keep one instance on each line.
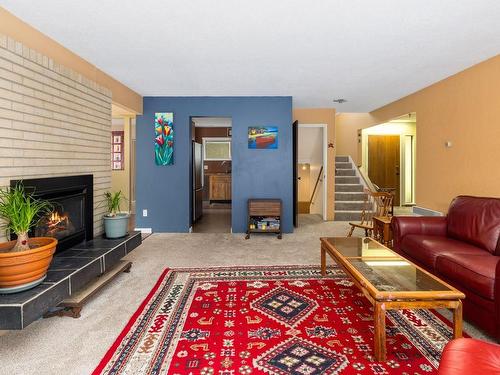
(349,188)
(343,165)
(349,196)
(347,215)
(346,180)
(349,206)
(345,172)
(341,159)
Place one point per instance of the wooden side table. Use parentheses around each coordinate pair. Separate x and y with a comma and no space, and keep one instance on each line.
(382,229)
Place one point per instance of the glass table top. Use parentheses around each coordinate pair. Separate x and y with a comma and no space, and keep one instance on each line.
(396,275)
(356,247)
(384,269)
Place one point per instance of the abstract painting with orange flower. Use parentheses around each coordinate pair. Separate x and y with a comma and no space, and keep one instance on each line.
(164,138)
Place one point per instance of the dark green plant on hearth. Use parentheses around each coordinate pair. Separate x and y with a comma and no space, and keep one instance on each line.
(113,202)
(115,221)
(20,211)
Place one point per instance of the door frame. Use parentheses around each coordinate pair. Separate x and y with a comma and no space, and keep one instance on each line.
(399,177)
(192,136)
(402,163)
(295,195)
(325,161)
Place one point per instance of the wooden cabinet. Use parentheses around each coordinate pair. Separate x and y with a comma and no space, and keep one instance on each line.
(219,188)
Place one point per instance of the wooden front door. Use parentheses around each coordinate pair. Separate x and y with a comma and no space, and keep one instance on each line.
(384,163)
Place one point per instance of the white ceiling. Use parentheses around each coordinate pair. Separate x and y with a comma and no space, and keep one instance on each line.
(369,52)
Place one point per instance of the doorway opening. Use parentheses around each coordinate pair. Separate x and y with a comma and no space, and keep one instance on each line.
(212,177)
(312,172)
(388,157)
(123,163)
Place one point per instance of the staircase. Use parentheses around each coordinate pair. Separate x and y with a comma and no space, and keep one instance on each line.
(349,195)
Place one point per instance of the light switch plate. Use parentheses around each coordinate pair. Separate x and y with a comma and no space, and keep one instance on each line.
(144,213)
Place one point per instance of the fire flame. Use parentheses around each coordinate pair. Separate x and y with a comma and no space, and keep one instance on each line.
(56,218)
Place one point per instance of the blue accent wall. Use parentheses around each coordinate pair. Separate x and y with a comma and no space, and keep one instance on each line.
(165,191)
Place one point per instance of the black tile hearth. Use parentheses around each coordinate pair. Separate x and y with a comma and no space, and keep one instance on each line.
(101,243)
(111,258)
(69,271)
(70,253)
(51,297)
(133,243)
(10,317)
(95,253)
(23,297)
(56,276)
(69,263)
(85,274)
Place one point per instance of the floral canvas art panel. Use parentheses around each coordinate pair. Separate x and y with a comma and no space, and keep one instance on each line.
(164,138)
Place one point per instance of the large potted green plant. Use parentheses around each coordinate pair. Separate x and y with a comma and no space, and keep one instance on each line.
(23,262)
(115,222)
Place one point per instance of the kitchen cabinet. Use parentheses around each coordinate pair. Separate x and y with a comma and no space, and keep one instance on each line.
(220,187)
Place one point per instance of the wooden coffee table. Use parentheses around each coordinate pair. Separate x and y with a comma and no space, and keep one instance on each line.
(390,282)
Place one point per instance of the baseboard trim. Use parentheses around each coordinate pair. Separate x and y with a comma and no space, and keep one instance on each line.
(145,230)
(422,211)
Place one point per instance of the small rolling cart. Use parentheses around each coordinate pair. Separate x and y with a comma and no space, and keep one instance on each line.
(264,216)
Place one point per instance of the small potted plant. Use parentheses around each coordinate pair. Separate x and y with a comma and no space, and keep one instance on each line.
(115,222)
(23,262)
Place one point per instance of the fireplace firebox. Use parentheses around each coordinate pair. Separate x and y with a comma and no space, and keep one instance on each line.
(71,219)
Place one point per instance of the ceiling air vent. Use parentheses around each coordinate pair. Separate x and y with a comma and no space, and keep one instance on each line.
(340,100)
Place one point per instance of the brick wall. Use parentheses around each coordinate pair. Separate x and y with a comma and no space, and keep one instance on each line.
(53,122)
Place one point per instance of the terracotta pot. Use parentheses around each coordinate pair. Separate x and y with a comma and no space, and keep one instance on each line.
(25,268)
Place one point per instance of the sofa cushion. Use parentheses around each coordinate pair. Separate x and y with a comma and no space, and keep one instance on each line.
(475,272)
(470,356)
(475,220)
(425,249)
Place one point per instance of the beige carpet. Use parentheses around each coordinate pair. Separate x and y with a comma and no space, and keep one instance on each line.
(75,346)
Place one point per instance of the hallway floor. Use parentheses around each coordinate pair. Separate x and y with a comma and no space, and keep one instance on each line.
(214,220)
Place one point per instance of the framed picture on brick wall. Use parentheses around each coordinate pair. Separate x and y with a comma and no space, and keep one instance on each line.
(117,155)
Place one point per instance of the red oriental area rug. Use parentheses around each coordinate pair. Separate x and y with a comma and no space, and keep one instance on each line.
(269,320)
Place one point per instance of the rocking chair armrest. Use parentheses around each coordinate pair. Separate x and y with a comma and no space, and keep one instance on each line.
(427,225)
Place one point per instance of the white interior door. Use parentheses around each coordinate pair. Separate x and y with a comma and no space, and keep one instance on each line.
(312,153)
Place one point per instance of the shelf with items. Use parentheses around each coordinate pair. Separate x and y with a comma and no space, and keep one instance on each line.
(264,216)
(117,151)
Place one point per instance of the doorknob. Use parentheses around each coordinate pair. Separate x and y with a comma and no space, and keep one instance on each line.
(397,170)
(299,178)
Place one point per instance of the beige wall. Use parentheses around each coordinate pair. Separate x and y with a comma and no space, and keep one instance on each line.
(347,126)
(53,122)
(31,38)
(120,179)
(322,116)
(463,109)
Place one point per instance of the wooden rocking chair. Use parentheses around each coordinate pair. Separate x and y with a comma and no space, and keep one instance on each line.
(375,204)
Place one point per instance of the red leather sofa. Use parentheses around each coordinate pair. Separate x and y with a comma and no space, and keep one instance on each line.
(462,248)
(471,357)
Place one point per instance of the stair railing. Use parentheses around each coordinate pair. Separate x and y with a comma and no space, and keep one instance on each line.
(320,174)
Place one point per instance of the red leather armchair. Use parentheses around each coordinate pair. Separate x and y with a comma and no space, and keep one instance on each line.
(463,249)
(471,357)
